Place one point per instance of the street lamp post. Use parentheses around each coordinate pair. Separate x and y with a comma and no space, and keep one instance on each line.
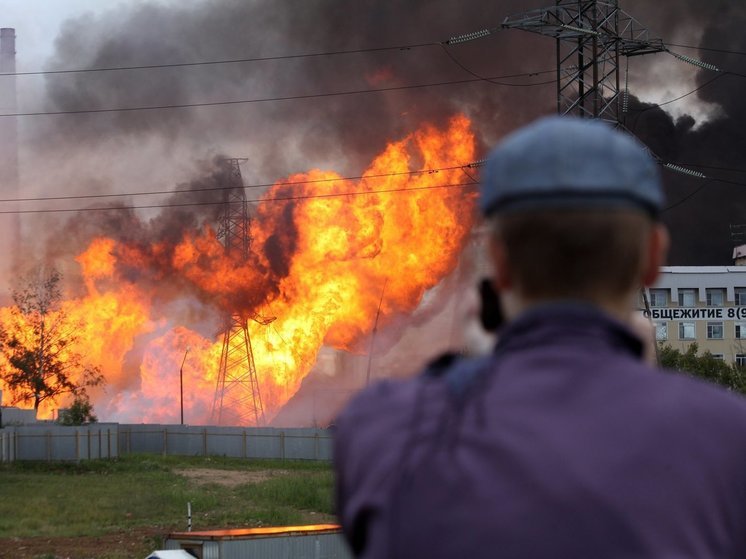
(181,383)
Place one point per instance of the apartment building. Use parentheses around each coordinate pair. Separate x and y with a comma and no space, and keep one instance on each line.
(703,304)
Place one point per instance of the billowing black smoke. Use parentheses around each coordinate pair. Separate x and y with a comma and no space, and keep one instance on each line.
(701,212)
(344,131)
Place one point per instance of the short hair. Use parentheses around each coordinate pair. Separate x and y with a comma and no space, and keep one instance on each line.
(574,254)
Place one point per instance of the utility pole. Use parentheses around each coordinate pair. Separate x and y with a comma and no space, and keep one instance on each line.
(237,386)
(591,37)
(181,384)
(373,334)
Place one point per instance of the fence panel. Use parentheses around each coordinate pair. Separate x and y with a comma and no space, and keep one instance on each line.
(59,443)
(238,442)
(109,440)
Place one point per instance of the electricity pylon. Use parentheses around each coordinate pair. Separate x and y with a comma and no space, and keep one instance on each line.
(237,387)
(591,37)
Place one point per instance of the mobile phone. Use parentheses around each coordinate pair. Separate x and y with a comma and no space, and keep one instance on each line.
(490,312)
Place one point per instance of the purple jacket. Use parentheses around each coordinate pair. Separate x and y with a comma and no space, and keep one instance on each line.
(560,444)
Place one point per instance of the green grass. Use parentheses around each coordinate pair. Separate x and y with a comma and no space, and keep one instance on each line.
(137,491)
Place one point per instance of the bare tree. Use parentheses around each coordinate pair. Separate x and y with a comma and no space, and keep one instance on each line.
(38,344)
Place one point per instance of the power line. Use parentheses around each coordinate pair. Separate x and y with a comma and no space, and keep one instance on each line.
(730,169)
(220,61)
(254,201)
(451,41)
(736,74)
(468,174)
(472,183)
(477,77)
(725,51)
(709,177)
(700,188)
(245,186)
(274,99)
(726,181)
(639,112)
(695,90)
(687,197)
(492,80)
(463,168)
(407,47)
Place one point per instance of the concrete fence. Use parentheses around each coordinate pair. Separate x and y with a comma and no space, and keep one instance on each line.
(110,440)
(240,442)
(59,443)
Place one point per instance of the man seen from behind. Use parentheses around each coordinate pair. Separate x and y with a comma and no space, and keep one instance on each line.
(562,442)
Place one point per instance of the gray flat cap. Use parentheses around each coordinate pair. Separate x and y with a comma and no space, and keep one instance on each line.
(570,163)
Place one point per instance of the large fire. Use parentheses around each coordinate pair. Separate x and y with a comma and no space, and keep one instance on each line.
(329,257)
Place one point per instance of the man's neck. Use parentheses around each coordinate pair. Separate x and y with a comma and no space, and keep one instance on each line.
(514,305)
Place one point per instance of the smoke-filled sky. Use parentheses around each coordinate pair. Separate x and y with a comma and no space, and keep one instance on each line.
(157,150)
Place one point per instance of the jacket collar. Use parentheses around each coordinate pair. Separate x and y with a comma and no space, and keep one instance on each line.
(561,321)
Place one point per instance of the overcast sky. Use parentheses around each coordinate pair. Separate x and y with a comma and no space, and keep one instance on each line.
(37,23)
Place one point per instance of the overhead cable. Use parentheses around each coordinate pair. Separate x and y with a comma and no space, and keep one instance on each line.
(276,99)
(254,201)
(492,80)
(708,49)
(245,186)
(457,39)
(217,62)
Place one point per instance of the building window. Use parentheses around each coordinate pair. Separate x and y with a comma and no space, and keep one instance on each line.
(661,331)
(718,356)
(741,359)
(740,296)
(715,297)
(740,330)
(687,297)
(687,331)
(714,330)
(658,297)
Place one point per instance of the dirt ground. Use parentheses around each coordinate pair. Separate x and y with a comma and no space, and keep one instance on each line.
(136,543)
(229,478)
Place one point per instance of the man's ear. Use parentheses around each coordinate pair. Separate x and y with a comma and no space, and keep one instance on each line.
(658,243)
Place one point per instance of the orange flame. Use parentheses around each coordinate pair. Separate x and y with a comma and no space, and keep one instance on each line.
(326,251)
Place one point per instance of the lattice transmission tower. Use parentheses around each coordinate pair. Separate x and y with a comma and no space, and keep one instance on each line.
(591,38)
(237,387)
